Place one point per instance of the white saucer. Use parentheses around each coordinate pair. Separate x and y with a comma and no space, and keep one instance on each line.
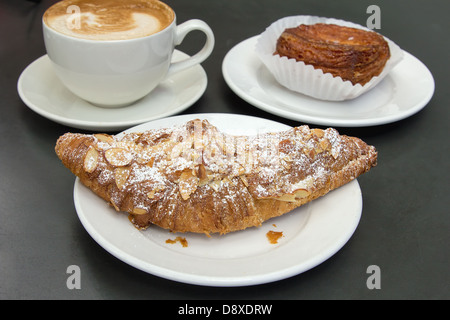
(404,91)
(41,91)
(311,233)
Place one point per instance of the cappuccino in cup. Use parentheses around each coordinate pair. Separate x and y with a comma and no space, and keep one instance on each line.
(112,53)
(108,20)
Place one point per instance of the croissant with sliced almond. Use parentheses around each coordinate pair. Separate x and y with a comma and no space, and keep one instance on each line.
(194,178)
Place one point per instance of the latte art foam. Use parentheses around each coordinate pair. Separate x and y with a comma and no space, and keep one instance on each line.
(108,19)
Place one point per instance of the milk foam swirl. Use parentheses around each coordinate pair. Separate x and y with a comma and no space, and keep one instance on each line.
(108,19)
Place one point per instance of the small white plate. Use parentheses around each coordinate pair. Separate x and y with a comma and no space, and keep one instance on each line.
(311,233)
(42,92)
(404,91)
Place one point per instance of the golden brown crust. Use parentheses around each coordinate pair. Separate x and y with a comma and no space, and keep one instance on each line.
(352,54)
(193,178)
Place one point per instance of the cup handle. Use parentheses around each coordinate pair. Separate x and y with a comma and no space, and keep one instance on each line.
(181,31)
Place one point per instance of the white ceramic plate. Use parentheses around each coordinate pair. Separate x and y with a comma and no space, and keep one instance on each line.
(42,92)
(405,91)
(311,233)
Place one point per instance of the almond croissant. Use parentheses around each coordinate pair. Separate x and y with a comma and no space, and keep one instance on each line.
(193,178)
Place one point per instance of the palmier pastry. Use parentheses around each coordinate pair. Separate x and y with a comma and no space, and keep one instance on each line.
(353,54)
(193,178)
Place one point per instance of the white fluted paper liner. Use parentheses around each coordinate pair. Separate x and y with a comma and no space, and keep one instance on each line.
(299,77)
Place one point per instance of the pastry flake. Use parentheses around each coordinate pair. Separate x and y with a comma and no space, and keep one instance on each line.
(194,178)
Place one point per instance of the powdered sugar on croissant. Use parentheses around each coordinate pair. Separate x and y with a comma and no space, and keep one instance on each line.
(194,178)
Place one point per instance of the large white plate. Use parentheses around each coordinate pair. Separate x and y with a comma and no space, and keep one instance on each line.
(42,92)
(405,91)
(311,233)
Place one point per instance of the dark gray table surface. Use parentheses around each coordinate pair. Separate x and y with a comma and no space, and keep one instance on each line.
(404,228)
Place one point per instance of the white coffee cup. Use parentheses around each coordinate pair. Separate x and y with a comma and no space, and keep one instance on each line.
(116,73)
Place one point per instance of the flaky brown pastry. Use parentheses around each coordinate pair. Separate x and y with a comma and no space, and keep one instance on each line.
(194,178)
(353,54)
